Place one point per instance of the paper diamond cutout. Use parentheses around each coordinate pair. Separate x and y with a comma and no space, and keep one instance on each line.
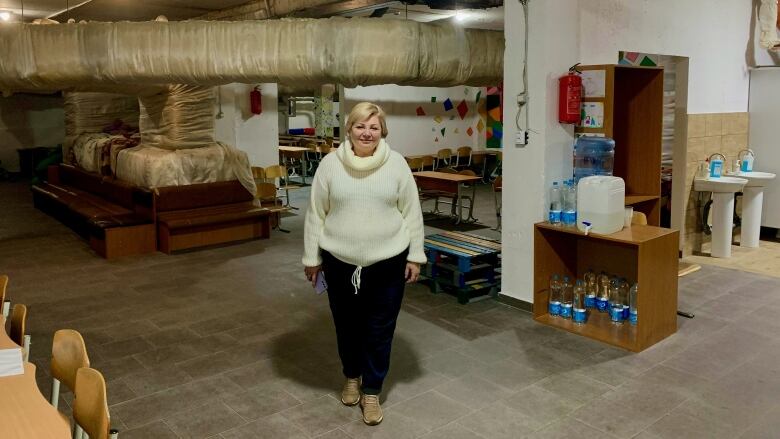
(470,131)
(495,113)
(479,95)
(420,111)
(433,99)
(437,119)
(493,90)
(442,131)
(632,56)
(647,62)
(436,139)
(447,105)
(463,108)
(480,126)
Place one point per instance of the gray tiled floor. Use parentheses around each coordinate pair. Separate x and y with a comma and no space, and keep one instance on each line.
(231,343)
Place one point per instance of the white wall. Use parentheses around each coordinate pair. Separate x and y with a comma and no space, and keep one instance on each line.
(530,170)
(715,34)
(29,121)
(410,134)
(258,135)
(304,116)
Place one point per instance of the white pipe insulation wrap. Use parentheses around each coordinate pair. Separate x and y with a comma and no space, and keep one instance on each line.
(350,52)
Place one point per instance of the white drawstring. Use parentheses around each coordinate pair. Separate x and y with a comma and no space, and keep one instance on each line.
(356,278)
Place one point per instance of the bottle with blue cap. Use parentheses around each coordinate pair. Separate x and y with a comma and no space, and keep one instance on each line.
(566,298)
(579,313)
(615,303)
(554,305)
(555,204)
(602,300)
(632,314)
(591,288)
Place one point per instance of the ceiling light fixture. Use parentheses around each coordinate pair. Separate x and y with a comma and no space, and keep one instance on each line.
(5,16)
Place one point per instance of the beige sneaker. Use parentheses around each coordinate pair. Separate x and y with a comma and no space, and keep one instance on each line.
(350,394)
(372,411)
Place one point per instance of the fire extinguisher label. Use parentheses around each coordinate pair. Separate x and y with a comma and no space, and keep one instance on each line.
(574,92)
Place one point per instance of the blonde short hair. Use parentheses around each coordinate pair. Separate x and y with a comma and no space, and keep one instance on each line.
(364,111)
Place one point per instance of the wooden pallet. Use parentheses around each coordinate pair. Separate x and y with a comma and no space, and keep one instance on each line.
(464,264)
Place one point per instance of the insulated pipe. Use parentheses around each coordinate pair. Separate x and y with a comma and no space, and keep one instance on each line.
(337,50)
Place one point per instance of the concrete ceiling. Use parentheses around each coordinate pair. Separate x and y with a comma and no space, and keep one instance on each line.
(119,10)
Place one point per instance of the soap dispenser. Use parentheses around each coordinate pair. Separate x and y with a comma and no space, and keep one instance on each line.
(747,157)
(716,165)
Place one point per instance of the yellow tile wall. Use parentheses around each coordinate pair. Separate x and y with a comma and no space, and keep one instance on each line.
(726,133)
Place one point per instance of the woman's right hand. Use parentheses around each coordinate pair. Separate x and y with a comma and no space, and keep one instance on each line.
(311,274)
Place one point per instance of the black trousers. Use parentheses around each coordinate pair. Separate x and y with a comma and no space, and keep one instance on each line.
(365,322)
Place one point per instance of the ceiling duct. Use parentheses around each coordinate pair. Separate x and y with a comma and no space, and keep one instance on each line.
(337,50)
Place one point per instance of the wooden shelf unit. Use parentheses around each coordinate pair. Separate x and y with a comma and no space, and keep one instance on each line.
(633,117)
(643,254)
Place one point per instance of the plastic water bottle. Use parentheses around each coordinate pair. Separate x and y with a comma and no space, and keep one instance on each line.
(569,214)
(591,288)
(632,316)
(615,303)
(554,307)
(602,299)
(566,298)
(555,204)
(579,312)
(624,293)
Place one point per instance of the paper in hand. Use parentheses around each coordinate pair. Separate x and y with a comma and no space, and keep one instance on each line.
(320,286)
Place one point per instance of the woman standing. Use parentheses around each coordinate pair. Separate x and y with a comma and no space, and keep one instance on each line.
(364,230)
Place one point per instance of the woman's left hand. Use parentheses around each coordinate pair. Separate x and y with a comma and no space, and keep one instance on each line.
(412,272)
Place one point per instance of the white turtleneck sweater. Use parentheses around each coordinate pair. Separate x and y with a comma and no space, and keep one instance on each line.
(363,209)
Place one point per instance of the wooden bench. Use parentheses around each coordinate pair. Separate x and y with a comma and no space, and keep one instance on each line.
(114,216)
(205,214)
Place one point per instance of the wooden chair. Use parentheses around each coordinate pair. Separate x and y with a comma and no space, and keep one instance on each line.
(463,157)
(258,173)
(278,174)
(478,161)
(68,355)
(429,163)
(497,186)
(17,329)
(639,218)
(268,197)
(90,406)
(443,156)
(470,173)
(4,307)
(416,164)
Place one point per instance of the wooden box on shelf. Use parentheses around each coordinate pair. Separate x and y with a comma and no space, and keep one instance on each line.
(643,254)
(632,100)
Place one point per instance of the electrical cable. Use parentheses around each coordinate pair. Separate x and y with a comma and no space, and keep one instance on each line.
(524,96)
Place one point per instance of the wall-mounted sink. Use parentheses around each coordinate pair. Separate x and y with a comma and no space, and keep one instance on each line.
(719,185)
(755,178)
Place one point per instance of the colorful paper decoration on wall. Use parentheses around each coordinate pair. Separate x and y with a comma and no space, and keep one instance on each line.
(463,108)
(494,119)
(480,126)
(638,59)
(437,119)
(470,131)
(447,105)
(436,139)
(433,99)
(479,95)
(420,111)
(442,131)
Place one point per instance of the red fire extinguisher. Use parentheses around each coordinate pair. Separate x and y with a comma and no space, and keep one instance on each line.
(570,96)
(256,101)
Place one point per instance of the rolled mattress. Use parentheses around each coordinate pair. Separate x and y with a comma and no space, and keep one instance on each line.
(152,167)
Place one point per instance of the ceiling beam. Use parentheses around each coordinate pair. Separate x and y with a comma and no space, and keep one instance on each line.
(340,7)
